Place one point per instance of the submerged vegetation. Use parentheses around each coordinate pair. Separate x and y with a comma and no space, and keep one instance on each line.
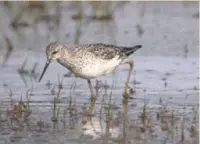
(111,122)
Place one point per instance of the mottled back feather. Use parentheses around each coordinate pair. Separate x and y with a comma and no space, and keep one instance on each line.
(105,51)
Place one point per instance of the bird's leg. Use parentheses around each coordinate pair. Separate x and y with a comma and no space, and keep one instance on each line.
(131,63)
(91,91)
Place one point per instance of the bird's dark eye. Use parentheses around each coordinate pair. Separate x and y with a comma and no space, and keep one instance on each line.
(54,52)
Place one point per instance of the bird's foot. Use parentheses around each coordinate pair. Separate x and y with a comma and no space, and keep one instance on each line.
(93,98)
(125,91)
(125,94)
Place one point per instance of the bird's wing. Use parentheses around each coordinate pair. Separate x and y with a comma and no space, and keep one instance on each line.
(103,51)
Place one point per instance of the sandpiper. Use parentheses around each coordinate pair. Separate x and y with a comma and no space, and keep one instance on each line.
(90,61)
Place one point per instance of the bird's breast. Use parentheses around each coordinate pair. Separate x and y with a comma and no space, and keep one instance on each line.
(98,67)
(92,67)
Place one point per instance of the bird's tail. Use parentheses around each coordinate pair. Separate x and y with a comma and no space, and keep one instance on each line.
(130,50)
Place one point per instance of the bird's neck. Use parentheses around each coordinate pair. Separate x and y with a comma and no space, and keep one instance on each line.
(65,58)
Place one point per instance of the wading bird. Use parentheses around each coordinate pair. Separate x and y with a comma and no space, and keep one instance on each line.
(90,61)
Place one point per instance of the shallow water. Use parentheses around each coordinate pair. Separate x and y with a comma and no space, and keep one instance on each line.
(163,103)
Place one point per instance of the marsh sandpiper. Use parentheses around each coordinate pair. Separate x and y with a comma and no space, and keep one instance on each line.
(90,61)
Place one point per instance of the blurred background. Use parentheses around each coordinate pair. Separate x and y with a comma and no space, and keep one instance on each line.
(163,105)
(163,28)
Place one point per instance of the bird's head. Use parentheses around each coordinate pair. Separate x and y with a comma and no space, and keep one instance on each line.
(53,52)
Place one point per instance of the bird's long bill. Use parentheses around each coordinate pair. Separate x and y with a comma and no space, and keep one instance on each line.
(44,70)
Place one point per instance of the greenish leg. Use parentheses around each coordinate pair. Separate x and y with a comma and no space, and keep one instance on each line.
(125,92)
(91,90)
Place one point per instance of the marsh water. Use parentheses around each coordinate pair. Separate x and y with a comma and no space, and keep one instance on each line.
(163,92)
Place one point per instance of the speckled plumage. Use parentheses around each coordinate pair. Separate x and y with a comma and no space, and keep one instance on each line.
(89,61)
(105,51)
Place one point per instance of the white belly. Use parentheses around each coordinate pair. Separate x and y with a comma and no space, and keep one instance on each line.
(99,68)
